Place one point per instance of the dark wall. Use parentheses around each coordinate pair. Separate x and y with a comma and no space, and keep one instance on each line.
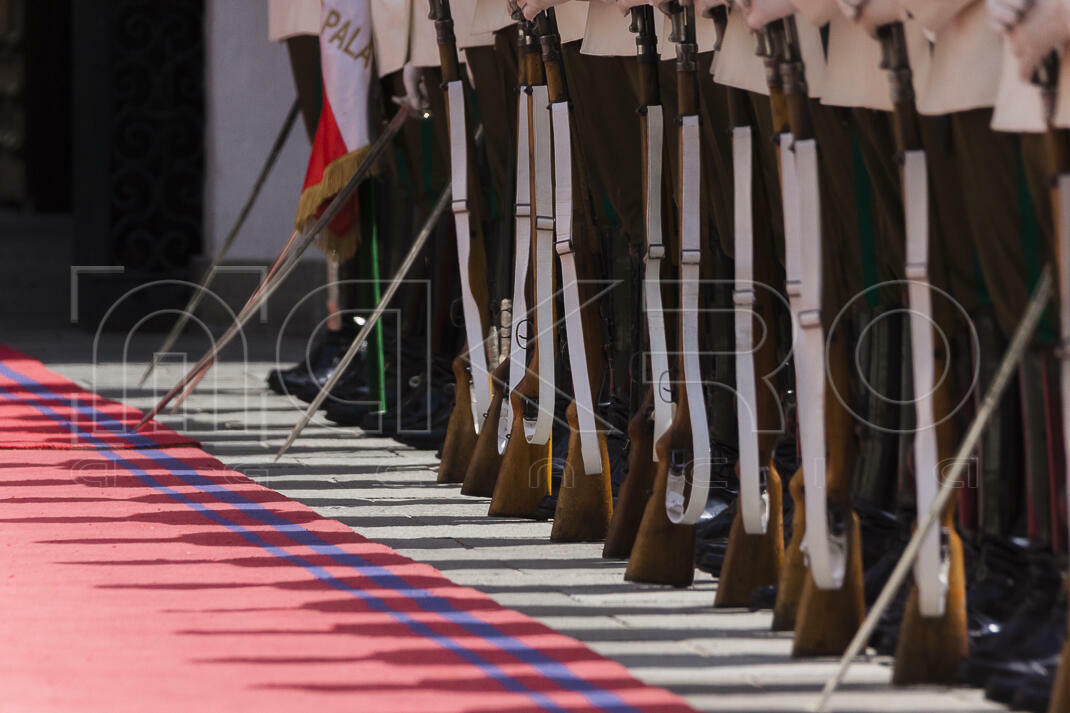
(48,65)
(138,139)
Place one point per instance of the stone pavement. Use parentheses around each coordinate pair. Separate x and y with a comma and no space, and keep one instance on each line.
(724,660)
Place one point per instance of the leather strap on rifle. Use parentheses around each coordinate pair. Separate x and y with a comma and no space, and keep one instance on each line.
(684,508)
(537,429)
(562,139)
(651,121)
(521,331)
(931,569)
(754,509)
(455,105)
(826,550)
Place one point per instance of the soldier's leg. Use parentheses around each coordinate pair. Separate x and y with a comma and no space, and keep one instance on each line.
(1010,235)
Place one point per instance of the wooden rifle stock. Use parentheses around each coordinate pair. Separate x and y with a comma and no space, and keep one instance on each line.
(635,491)
(929,650)
(664,552)
(482,473)
(524,474)
(827,619)
(753,561)
(460,430)
(772,40)
(585,500)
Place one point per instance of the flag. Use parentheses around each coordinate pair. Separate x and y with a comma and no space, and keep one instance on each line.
(343,135)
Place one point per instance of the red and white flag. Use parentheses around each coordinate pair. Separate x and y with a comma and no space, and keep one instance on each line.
(344,132)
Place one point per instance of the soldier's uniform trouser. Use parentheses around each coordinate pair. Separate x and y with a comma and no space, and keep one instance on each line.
(1005,192)
(494,74)
(608,212)
(952,282)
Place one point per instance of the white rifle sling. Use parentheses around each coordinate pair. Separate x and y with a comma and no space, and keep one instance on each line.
(521,332)
(538,431)
(1063,256)
(473,325)
(680,508)
(789,190)
(655,253)
(754,505)
(827,555)
(577,351)
(930,572)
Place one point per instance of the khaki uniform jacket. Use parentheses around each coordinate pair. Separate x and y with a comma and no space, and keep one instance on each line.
(855,77)
(607,33)
(966,59)
(737,65)
(403,32)
(289,18)
(491,16)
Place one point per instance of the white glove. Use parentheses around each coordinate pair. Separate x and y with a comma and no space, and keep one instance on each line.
(415,90)
(532,8)
(1045,27)
(1005,14)
(871,14)
(759,13)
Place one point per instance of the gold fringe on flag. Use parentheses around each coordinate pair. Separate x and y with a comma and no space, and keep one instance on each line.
(335,176)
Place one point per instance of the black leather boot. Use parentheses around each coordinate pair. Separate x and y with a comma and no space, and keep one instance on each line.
(1035,632)
(305,378)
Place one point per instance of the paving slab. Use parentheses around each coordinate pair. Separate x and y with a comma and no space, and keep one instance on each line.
(720,660)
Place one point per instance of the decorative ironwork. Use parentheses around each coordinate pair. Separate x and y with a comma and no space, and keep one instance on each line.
(157,150)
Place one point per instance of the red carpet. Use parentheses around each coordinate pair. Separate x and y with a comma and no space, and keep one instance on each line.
(152,579)
(23,423)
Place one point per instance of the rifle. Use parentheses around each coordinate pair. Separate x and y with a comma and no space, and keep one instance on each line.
(482,473)
(831,605)
(755,550)
(470,367)
(653,417)
(585,501)
(664,549)
(771,44)
(524,476)
(933,635)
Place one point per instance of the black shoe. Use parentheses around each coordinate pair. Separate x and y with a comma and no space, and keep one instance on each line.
(998,586)
(762,598)
(1002,688)
(715,523)
(425,426)
(1032,698)
(1038,654)
(558,456)
(351,398)
(305,378)
(615,413)
(1042,595)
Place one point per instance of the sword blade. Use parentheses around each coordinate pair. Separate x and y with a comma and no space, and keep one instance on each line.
(354,347)
(210,272)
(266,289)
(1034,311)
